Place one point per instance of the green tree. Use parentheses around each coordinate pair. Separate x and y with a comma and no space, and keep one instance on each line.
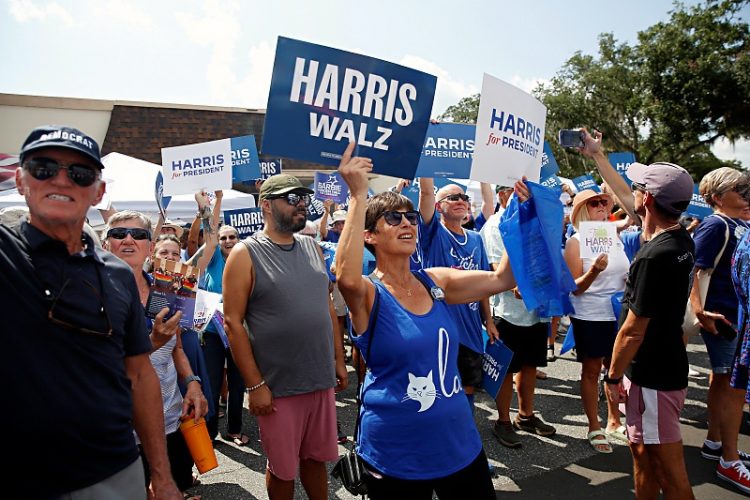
(465,111)
(669,97)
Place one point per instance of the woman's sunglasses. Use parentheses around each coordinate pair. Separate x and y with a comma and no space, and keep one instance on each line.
(601,202)
(394,218)
(43,169)
(120,233)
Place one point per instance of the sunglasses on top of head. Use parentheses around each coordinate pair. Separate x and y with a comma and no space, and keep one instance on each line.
(601,202)
(292,198)
(394,217)
(120,233)
(455,197)
(42,169)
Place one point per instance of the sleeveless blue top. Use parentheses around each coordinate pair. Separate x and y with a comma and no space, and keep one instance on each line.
(415,421)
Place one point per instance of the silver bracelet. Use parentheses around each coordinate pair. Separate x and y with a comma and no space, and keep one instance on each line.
(256,386)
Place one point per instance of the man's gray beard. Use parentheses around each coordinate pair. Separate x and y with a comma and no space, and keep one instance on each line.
(287,224)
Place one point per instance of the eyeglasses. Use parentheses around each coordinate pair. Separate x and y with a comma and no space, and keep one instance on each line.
(43,169)
(394,218)
(455,197)
(71,326)
(228,237)
(292,198)
(120,233)
(601,202)
(635,186)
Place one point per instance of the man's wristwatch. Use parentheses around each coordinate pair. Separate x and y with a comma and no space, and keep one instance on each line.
(612,381)
(192,378)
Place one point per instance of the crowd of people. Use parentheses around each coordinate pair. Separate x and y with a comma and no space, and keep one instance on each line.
(416,291)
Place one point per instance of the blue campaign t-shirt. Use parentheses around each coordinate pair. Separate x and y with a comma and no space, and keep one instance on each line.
(631,242)
(211,281)
(440,247)
(709,237)
(415,422)
(332,236)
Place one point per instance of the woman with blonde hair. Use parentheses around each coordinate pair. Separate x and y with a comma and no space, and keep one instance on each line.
(716,237)
(594,324)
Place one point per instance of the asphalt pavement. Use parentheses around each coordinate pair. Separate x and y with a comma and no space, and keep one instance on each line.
(563,466)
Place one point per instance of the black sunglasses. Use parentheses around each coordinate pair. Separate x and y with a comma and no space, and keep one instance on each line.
(228,237)
(455,197)
(292,198)
(601,202)
(71,326)
(635,186)
(120,233)
(43,169)
(394,218)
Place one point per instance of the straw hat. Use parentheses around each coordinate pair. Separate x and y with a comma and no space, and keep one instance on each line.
(583,196)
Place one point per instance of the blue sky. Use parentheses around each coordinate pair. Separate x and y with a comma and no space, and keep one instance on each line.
(217,52)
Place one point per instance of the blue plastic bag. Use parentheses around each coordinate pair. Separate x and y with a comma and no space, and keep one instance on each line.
(531,234)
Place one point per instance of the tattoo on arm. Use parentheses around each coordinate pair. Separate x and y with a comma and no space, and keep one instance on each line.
(195,258)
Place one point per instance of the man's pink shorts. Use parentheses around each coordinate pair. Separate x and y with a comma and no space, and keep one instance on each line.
(653,417)
(303,427)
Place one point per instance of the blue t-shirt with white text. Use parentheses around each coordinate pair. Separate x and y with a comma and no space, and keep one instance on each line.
(440,247)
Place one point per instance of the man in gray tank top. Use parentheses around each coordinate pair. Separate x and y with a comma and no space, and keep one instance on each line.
(291,356)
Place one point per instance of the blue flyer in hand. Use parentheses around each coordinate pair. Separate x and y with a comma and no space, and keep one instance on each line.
(495,362)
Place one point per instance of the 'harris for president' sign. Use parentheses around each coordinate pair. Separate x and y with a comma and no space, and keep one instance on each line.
(323,98)
(510,134)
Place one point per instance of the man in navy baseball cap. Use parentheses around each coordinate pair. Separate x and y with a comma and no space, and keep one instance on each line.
(60,136)
(75,311)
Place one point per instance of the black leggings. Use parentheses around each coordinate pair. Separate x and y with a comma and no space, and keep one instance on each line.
(180,461)
(473,481)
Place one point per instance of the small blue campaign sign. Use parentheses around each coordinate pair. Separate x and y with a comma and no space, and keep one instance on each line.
(315,208)
(551,182)
(246,220)
(269,166)
(549,164)
(322,98)
(621,162)
(698,207)
(586,182)
(245,164)
(448,150)
(161,201)
(495,362)
(330,186)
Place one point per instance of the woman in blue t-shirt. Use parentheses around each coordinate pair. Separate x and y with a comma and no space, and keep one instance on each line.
(716,238)
(417,434)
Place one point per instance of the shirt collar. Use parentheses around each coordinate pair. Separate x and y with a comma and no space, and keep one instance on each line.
(37,239)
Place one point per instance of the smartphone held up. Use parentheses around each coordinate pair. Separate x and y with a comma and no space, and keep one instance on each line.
(570,138)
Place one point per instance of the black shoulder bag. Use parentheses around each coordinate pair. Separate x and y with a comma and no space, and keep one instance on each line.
(349,468)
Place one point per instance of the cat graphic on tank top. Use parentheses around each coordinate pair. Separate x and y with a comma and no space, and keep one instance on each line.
(422,390)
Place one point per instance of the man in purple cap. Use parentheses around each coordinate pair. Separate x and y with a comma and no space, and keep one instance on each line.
(649,348)
(75,348)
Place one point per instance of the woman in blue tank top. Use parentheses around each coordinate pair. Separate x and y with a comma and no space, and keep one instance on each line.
(417,434)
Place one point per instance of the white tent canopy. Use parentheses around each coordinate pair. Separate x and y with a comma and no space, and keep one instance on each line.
(130,186)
